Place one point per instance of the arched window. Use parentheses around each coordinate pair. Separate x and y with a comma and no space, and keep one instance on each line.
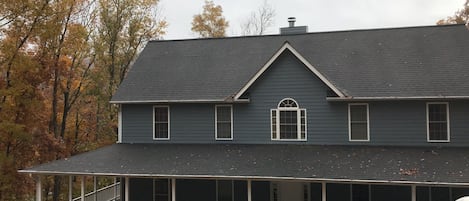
(288,121)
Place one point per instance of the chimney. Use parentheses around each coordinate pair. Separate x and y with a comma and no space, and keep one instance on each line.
(292,29)
(291,21)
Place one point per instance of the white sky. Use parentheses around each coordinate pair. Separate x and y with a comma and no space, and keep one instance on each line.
(318,15)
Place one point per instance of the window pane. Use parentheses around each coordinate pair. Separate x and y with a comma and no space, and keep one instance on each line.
(288,132)
(224,130)
(288,117)
(288,103)
(161,114)
(223,113)
(358,113)
(225,190)
(437,112)
(438,131)
(273,114)
(359,131)
(303,123)
(161,130)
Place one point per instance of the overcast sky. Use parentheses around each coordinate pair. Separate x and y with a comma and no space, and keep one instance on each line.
(318,15)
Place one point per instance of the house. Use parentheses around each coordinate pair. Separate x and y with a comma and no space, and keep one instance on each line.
(368,115)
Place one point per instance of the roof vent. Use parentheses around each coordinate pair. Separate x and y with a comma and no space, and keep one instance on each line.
(292,29)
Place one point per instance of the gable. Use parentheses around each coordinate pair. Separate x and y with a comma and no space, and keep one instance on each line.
(288,48)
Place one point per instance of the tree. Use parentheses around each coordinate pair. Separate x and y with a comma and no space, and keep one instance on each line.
(122,31)
(460,17)
(55,59)
(259,21)
(210,23)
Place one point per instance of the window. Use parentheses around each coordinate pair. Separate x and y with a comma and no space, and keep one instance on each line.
(437,122)
(288,121)
(162,190)
(161,122)
(223,122)
(358,117)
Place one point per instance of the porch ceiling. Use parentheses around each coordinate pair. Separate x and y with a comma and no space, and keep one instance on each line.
(428,165)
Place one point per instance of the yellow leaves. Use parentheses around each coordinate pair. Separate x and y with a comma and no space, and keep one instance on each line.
(210,23)
(459,17)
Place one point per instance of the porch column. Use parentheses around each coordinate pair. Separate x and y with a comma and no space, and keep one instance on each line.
(324,198)
(82,196)
(94,189)
(115,188)
(126,189)
(38,188)
(70,188)
(173,189)
(414,193)
(249,190)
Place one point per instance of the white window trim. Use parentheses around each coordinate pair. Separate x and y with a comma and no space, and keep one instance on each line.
(169,122)
(367,123)
(216,129)
(277,124)
(119,126)
(447,122)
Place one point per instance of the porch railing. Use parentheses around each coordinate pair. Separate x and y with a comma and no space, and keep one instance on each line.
(107,193)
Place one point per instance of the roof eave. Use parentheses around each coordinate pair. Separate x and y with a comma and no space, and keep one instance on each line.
(390,98)
(180,101)
(367,181)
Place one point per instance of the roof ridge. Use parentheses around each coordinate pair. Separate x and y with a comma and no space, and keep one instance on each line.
(308,33)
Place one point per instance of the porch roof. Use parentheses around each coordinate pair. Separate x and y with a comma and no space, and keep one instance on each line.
(380,164)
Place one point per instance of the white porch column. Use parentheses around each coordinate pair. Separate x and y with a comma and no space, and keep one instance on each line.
(173,189)
(38,188)
(82,196)
(414,193)
(249,190)
(70,188)
(126,189)
(324,198)
(94,189)
(115,188)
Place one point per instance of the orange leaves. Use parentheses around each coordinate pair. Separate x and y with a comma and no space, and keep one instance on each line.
(210,23)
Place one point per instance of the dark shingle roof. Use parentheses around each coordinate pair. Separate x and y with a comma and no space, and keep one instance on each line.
(400,62)
(340,163)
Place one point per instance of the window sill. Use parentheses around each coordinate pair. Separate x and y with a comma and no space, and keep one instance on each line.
(224,139)
(438,141)
(359,140)
(161,139)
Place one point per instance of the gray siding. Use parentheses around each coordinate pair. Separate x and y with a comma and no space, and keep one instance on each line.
(391,122)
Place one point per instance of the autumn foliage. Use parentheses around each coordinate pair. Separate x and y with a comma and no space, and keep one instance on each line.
(460,17)
(210,23)
(60,62)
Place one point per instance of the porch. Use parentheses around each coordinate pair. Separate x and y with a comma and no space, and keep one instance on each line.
(183,172)
(189,189)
